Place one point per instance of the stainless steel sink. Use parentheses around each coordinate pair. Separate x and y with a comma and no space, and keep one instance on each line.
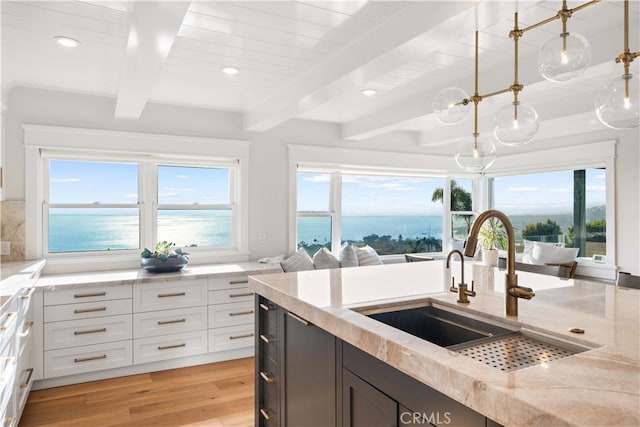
(505,347)
(439,326)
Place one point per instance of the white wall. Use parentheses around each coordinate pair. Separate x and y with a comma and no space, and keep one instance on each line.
(268,200)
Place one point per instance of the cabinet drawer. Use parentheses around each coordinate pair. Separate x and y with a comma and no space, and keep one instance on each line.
(230,338)
(24,336)
(228,282)
(169,346)
(166,296)
(8,325)
(164,322)
(239,313)
(24,297)
(225,296)
(87,310)
(89,358)
(87,294)
(268,339)
(7,377)
(266,310)
(73,333)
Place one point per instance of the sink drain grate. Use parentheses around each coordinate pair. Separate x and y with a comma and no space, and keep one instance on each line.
(516,352)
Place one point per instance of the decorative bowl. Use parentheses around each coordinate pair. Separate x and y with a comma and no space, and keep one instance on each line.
(171,264)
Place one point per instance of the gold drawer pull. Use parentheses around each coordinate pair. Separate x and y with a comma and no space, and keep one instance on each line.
(245,294)
(237,337)
(177,294)
(89,310)
(238,282)
(94,294)
(29,293)
(241,313)
(90,331)
(265,376)
(29,325)
(265,414)
(88,359)
(266,307)
(167,347)
(167,322)
(26,383)
(266,339)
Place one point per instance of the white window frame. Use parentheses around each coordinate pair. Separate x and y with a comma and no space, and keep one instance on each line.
(591,155)
(335,161)
(149,150)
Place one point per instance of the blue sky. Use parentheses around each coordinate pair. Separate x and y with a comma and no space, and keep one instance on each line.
(89,182)
(550,192)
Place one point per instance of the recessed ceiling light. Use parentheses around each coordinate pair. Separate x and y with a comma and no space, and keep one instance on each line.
(230,70)
(368,92)
(67,41)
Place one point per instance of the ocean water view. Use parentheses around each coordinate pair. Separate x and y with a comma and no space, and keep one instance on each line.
(73,232)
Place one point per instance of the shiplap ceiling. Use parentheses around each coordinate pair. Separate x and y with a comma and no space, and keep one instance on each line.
(308,59)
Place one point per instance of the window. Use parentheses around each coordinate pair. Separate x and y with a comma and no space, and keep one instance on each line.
(392,214)
(98,205)
(93,206)
(194,206)
(462,215)
(567,208)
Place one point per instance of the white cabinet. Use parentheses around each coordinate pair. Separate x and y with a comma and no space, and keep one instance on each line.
(170,320)
(231,313)
(87,329)
(16,366)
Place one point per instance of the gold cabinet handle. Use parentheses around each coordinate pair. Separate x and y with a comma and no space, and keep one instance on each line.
(266,307)
(265,414)
(29,293)
(26,383)
(238,282)
(26,333)
(88,359)
(177,294)
(167,347)
(90,331)
(94,294)
(168,322)
(265,376)
(89,310)
(244,294)
(237,337)
(241,313)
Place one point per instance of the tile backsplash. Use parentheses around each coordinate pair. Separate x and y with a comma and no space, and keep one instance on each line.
(12,219)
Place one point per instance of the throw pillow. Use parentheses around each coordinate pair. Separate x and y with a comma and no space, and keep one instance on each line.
(348,256)
(300,261)
(542,253)
(325,259)
(368,256)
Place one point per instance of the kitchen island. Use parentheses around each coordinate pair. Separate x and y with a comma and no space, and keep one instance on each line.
(597,387)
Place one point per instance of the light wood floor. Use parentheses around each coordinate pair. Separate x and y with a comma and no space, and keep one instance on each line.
(213,395)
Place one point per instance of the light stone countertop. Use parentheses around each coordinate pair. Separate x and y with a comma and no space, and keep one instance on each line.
(140,276)
(17,274)
(593,388)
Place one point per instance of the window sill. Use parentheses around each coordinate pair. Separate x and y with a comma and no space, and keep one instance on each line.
(80,264)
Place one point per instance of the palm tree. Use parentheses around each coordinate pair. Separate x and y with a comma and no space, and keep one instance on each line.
(460,201)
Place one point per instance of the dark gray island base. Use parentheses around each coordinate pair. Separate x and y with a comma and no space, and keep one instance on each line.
(305,376)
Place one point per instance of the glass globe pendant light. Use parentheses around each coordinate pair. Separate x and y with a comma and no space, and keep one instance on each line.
(451,105)
(567,56)
(516,123)
(617,102)
(475,154)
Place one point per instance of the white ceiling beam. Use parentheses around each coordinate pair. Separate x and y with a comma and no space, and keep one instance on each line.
(419,106)
(419,27)
(153,29)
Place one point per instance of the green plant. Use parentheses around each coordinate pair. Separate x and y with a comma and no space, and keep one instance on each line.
(163,251)
(492,235)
